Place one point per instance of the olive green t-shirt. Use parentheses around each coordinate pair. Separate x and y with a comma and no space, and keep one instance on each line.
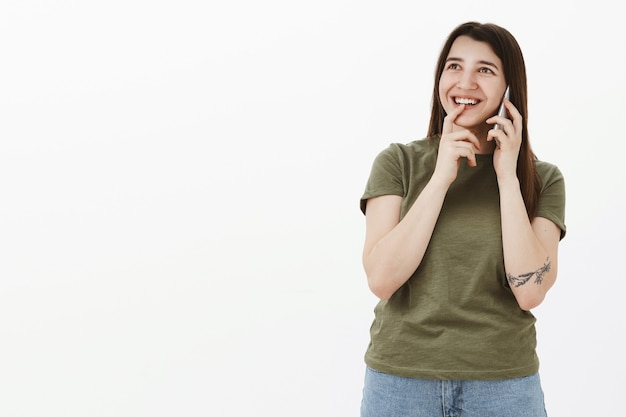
(456,317)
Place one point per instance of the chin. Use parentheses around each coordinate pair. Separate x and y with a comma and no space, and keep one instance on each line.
(468,124)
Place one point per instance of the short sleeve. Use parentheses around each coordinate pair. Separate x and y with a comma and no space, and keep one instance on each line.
(552,200)
(386,176)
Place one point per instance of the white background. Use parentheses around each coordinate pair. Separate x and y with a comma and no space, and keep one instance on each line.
(179,186)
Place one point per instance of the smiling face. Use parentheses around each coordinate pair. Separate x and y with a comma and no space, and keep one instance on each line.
(472,75)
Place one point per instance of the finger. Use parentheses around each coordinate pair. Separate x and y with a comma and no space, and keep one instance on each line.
(496,134)
(516,116)
(458,149)
(448,121)
(464,136)
(511,109)
(465,150)
(500,122)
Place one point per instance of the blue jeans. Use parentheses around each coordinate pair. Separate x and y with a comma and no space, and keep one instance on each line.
(387,395)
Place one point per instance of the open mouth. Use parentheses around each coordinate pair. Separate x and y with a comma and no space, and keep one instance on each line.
(466,101)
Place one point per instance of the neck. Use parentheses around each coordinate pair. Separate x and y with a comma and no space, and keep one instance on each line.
(486,147)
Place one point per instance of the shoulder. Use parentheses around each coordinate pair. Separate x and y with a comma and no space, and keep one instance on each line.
(420,146)
(552,197)
(548,172)
(405,152)
(397,166)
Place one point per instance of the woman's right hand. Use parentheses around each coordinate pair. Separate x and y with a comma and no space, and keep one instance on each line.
(454,145)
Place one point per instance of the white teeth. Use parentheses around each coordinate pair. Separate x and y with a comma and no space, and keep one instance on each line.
(465,101)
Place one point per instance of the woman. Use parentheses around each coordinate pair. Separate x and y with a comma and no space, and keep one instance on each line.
(462,234)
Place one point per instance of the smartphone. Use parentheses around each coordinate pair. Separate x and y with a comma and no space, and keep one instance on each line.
(502,112)
(502,109)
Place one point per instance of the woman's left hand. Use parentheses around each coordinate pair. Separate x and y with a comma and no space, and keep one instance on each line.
(509,140)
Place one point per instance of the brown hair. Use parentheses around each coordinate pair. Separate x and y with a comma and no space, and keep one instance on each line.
(507,49)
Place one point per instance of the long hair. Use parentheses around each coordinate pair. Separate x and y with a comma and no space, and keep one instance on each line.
(508,50)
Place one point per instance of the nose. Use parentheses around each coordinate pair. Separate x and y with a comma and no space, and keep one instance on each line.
(466,81)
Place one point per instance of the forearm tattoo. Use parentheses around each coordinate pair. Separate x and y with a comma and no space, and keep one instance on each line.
(524,278)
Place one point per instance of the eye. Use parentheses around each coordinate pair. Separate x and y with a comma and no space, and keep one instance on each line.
(453,66)
(486,70)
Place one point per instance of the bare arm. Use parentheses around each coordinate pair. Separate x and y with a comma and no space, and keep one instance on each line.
(530,247)
(394,249)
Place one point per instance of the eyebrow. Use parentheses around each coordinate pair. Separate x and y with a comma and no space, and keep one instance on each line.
(452,58)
